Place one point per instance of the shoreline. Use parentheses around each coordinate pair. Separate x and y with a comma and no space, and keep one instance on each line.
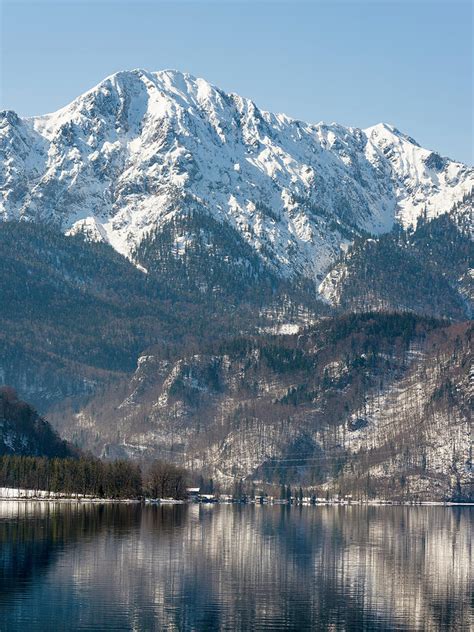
(137,501)
(41,495)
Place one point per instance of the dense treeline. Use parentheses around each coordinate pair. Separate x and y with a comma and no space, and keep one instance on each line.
(92,477)
(33,456)
(84,476)
(165,480)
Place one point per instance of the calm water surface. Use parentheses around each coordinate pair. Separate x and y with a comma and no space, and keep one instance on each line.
(72,567)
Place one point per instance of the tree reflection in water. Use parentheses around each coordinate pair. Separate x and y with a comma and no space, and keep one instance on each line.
(90,567)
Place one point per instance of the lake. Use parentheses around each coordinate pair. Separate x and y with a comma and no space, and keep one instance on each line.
(234,567)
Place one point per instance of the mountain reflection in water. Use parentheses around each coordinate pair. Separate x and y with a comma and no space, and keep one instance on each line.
(127,567)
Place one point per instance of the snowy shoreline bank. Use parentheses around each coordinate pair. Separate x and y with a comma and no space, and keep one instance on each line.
(26,495)
(30,495)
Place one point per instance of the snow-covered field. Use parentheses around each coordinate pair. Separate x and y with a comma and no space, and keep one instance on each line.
(15,493)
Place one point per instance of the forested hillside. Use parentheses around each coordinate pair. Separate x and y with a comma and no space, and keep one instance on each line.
(76,314)
(427,271)
(24,432)
(361,395)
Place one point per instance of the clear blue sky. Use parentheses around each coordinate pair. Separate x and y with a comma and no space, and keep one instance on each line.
(409,62)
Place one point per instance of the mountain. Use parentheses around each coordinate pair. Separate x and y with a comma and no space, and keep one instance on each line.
(187,276)
(371,402)
(24,432)
(166,166)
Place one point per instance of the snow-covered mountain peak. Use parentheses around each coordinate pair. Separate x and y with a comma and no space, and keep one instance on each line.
(426,184)
(141,148)
(387,133)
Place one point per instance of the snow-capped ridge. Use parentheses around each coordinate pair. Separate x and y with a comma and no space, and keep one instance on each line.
(387,130)
(129,154)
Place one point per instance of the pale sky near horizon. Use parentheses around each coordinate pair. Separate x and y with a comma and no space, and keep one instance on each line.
(409,63)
